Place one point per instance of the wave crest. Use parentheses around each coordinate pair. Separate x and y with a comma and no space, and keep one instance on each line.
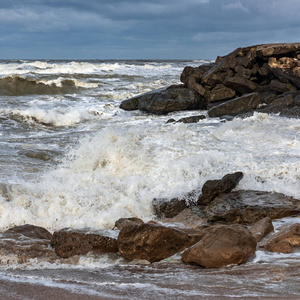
(18,85)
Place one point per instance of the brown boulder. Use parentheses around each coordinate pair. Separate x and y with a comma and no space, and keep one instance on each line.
(69,242)
(282,241)
(153,242)
(249,207)
(212,188)
(164,208)
(262,228)
(222,246)
(21,243)
(220,92)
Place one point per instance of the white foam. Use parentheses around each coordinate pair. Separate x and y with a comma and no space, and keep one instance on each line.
(117,172)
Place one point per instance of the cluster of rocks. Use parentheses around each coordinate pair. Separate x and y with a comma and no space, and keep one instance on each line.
(221,229)
(262,78)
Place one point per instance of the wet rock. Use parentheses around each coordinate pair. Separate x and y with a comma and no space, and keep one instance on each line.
(127,221)
(262,228)
(22,243)
(249,207)
(212,188)
(5,191)
(192,119)
(168,208)
(163,101)
(69,242)
(222,246)
(38,155)
(284,240)
(153,242)
(236,106)
(220,92)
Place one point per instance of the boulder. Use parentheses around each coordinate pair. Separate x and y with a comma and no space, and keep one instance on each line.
(262,228)
(222,246)
(69,242)
(192,119)
(285,240)
(163,101)
(153,242)
(127,221)
(212,188)
(236,106)
(220,92)
(22,243)
(248,207)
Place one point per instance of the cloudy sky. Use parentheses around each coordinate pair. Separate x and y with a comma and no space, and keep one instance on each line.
(142,29)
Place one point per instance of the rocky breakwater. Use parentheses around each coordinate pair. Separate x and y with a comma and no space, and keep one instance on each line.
(263,78)
(223,226)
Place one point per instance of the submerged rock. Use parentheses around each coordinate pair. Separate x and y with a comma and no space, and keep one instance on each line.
(222,246)
(153,242)
(127,221)
(69,242)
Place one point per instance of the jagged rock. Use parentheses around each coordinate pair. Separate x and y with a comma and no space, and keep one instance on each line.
(279,86)
(284,240)
(69,242)
(222,246)
(220,92)
(22,243)
(262,228)
(236,106)
(153,242)
(240,84)
(127,221)
(249,207)
(212,188)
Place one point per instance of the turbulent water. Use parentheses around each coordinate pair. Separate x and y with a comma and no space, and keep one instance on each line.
(71,158)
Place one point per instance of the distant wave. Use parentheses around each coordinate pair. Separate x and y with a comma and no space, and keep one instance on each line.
(18,85)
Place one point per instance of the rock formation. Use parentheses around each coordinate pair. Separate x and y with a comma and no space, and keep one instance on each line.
(264,78)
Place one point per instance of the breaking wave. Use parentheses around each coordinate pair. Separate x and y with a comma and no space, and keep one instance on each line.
(18,85)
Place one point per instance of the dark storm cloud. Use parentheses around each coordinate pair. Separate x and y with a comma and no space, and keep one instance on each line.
(142,29)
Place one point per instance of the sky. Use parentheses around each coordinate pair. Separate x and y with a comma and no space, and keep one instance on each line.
(142,29)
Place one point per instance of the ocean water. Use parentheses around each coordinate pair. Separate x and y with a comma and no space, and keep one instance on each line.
(70,157)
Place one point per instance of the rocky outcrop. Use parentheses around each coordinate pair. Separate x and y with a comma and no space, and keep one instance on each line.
(222,246)
(69,242)
(188,120)
(285,240)
(22,243)
(212,188)
(262,228)
(153,242)
(237,83)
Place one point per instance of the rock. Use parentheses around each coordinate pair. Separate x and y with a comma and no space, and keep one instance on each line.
(168,208)
(153,242)
(5,191)
(38,155)
(69,242)
(220,92)
(127,221)
(240,84)
(284,240)
(192,119)
(262,228)
(164,208)
(248,207)
(268,50)
(22,243)
(165,100)
(279,86)
(212,188)
(236,106)
(222,246)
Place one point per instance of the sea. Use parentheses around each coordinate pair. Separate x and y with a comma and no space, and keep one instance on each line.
(70,157)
